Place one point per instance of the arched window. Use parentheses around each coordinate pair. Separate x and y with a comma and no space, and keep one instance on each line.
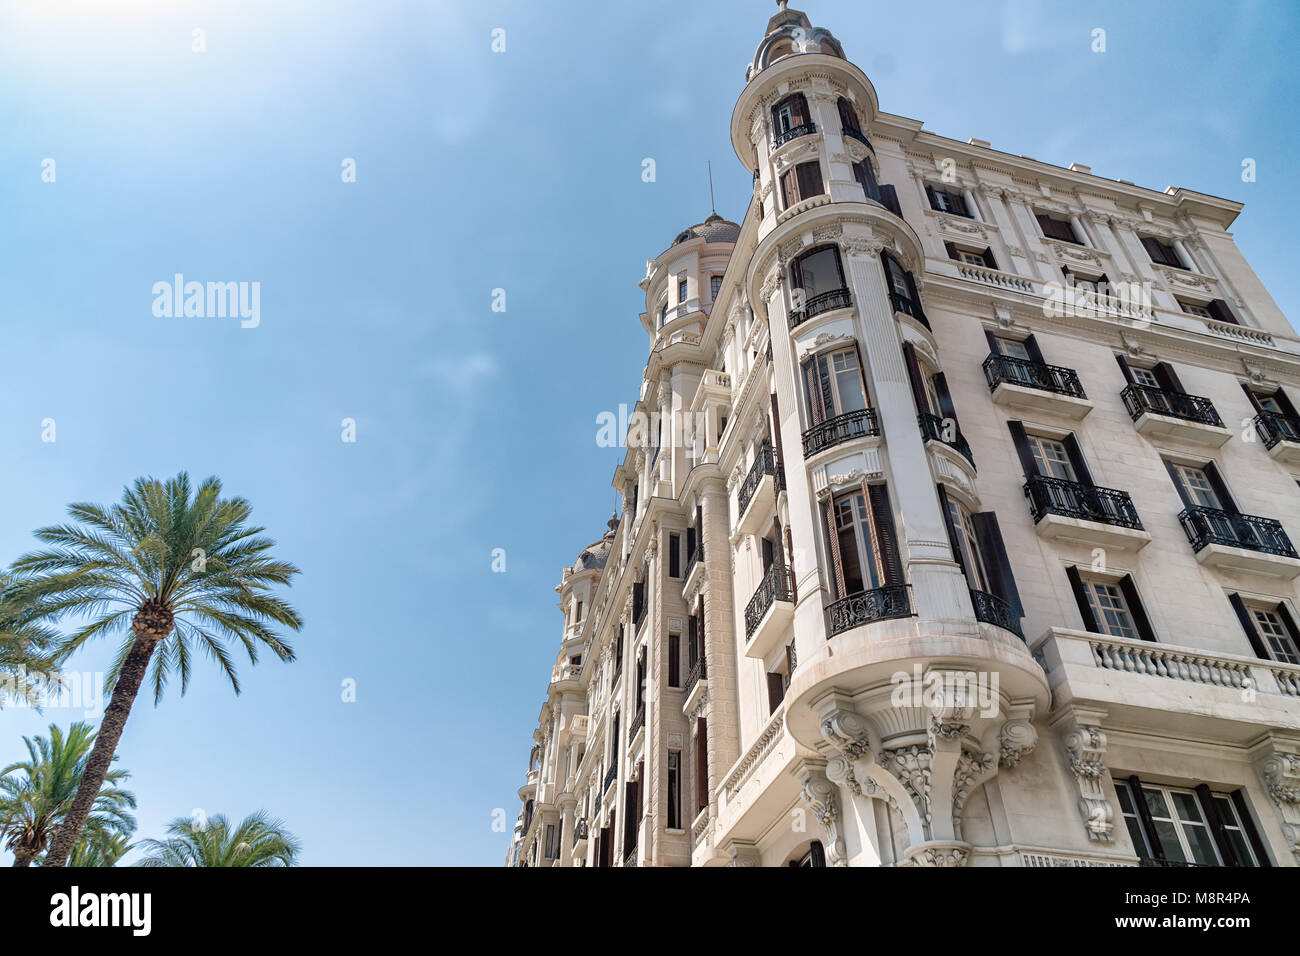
(815,855)
(791,119)
(817,277)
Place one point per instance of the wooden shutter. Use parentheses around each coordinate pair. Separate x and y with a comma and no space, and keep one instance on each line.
(789,187)
(813,391)
(833,548)
(1135,608)
(1081,598)
(817,853)
(934,201)
(1077,462)
(776,433)
(1123,367)
(915,379)
(699,530)
(1219,309)
(1178,483)
(995,348)
(951,249)
(1155,249)
(1284,403)
(768,550)
(1031,346)
(848,116)
(810,179)
(1167,377)
(946,407)
(996,561)
(799,109)
(958,204)
(1248,625)
(954,541)
(692,641)
(796,273)
(989,261)
(775,692)
(1254,399)
(1144,817)
(1248,824)
(1289,623)
(886,538)
(1211,811)
(1220,489)
(1021,441)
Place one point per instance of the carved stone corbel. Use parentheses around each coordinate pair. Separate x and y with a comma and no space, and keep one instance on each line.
(1085,747)
(1279,771)
(821,796)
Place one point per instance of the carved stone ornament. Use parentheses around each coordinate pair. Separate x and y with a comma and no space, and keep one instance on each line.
(1016,740)
(862,245)
(1086,746)
(940,854)
(822,799)
(1279,772)
(1132,346)
(846,731)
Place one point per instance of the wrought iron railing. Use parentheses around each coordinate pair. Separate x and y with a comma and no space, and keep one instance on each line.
(934,428)
(638,609)
(1000,369)
(1205,526)
(1152,861)
(777,585)
(822,302)
(580,830)
(878,604)
(840,429)
(887,196)
(794,132)
(695,558)
(610,776)
(699,671)
(1274,427)
(638,720)
(629,859)
(991,609)
(860,136)
(905,305)
(763,465)
(1073,499)
(1139,399)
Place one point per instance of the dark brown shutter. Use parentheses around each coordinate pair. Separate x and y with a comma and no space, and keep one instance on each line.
(848,116)
(994,347)
(1077,461)
(1155,249)
(776,432)
(954,541)
(915,378)
(1081,598)
(1220,488)
(775,692)
(951,249)
(886,537)
(1144,817)
(989,261)
(789,187)
(1248,625)
(1289,623)
(934,204)
(799,109)
(1211,810)
(810,179)
(958,203)
(1250,394)
(1219,309)
(1248,824)
(674,660)
(1123,367)
(1135,608)
(1167,377)
(796,272)
(996,561)
(1021,441)
(833,546)
(1178,483)
(1284,403)
(1031,346)
(945,398)
(813,391)
(699,530)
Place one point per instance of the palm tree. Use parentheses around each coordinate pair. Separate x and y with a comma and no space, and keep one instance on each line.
(35,795)
(257,841)
(172,572)
(26,651)
(93,850)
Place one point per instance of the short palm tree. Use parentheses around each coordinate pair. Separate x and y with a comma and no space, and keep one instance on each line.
(171,569)
(99,849)
(257,841)
(35,795)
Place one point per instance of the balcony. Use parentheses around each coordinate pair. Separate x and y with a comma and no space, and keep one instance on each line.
(770,612)
(945,430)
(860,136)
(697,682)
(822,302)
(757,495)
(794,132)
(1160,413)
(1071,510)
(610,776)
(638,721)
(580,832)
(638,609)
(841,428)
(908,307)
(878,604)
(1037,386)
(991,609)
(1237,542)
(1281,436)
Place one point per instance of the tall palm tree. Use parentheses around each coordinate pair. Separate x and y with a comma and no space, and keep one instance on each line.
(26,651)
(173,571)
(97,850)
(257,841)
(35,795)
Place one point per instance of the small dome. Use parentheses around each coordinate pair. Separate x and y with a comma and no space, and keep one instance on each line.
(595,555)
(789,33)
(713,229)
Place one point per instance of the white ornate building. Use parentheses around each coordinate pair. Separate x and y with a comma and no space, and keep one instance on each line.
(936,417)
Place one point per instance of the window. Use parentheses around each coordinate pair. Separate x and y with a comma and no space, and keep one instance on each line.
(663,313)
(866,177)
(817,272)
(1215,311)
(834,381)
(674,821)
(947,200)
(1109,609)
(715,286)
(863,543)
(1162,253)
(1011,348)
(801,182)
(1172,823)
(1144,376)
(577,614)
(674,556)
(1269,403)
(550,842)
(1196,486)
(1191,308)
(674,660)
(967,541)
(701,765)
(1057,228)
(681,291)
(848,116)
(902,289)
(789,114)
(1051,457)
(816,856)
(1277,641)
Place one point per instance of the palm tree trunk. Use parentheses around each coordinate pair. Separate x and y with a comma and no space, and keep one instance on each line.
(22,859)
(128,683)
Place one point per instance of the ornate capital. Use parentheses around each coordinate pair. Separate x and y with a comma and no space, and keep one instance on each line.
(821,797)
(1016,740)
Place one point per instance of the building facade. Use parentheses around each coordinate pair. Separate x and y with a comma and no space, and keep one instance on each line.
(958,514)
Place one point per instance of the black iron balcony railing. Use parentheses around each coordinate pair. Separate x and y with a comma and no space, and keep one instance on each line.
(1152,861)
(991,609)
(1139,399)
(905,305)
(1205,526)
(638,610)
(1073,499)
(763,465)
(580,830)
(610,775)
(821,302)
(777,585)
(1004,369)
(699,671)
(934,428)
(695,558)
(629,859)
(860,136)
(864,607)
(840,429)
(1274,427)
(638,720)
(794,132)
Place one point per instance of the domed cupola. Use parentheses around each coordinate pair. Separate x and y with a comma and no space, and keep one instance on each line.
(713,229)
(790,33)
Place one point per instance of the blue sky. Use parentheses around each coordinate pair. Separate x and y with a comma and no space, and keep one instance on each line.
(475,429)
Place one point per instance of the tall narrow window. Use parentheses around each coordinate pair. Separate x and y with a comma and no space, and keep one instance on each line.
(674,556)
(1109,609)
(715,286)
(1274,632)
(864,548)
(674,821)
(701,765)
(1051,457)
(817,272)
(834,384)
(681,291)
(1195,485)
(801,182)
(674,660)
(963,530)
(1169,823)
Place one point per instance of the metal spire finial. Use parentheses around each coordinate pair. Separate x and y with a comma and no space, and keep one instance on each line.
(713,206)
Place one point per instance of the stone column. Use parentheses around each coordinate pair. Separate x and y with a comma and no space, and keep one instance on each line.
(719,633)
(939,589)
